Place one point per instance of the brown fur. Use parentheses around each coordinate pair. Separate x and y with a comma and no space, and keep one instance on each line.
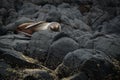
(30,28)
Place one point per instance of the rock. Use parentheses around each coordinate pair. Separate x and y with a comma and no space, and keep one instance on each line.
(81,25)
(112,26)
(89,61)
(109,6)
(71,13)
(45,11)
(13,41)
(65,20)
(11,27)
(75,34)
(83,39)
(108,44)
(28,9)
(58,50)
(64,5)
(53,16)
(3,31)
(17,59)
(36,74)
(3,69)
(22,20)
(12,16)
(39,44)
(79,76)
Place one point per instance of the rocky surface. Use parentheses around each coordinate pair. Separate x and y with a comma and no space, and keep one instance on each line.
(87,48)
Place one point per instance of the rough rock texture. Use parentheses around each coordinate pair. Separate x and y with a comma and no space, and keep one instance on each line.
(109,45)
(59,49)
(95,64)
(86,48)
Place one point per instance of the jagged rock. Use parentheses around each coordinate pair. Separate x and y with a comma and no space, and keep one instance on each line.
(3,31)
(79,24)
(12,16)
(112,26)
(111,6)
(89,61)
(83,39)
(71,13)
(12,41)
(37,74)
(28,9)
(58,50)
(17,59)
(79,76)
(108,44)
(44,13)
(64,5)
(14,25)
(53,16)
(39,44)
(75,34)
(3,69)
(22,20)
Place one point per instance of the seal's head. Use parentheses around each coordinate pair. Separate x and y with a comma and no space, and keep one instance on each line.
(54,26)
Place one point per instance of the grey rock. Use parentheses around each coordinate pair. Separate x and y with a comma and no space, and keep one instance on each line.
(12,41)
(90,61)
(81,25)
(17,59)
(53,16)
(79,76)
(28,9)
(83,39)
(39,44)
(64,5)
(108,44)
(112,26)
(3,68)
(22,20)
(37,74)
(58,50)
(71,13)
(11,27)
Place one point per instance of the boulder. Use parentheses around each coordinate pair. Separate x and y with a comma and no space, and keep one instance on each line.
(93,62)
(37,74)
(13,41)
(4,69)
(28,9)
(112,26)
(39,44)
(53,16)
(79,76)
(109,44)
(58,50)
(17,59)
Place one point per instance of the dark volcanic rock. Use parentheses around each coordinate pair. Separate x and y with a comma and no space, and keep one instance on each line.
(53,16)
(108,44)
(14,25)
(39,44)
(59,49)
(3,68)
(17,59)
(37,74)
(94,63)
(12,41)
(28,9)
(113,26)
(79,76)
(83,39)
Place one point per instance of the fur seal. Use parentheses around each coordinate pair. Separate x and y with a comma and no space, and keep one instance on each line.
(29,28)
